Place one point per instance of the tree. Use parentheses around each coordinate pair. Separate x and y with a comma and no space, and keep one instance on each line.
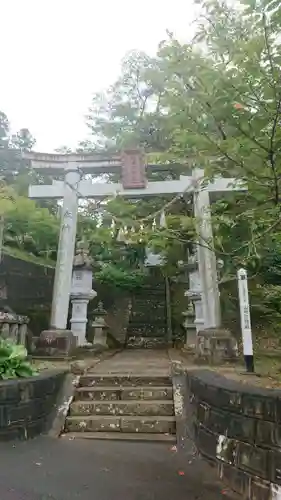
(63,150)
(129,113)
(30,228)
(5,157)
(4,130)
(214,102)
(13,168)
(21,174)
(223,97)
(220,96)
(7,199)
(22,140)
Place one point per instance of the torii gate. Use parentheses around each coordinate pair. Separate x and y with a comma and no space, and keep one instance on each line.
(133,185)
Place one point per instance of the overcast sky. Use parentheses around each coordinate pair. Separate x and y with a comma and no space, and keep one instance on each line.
(56,53)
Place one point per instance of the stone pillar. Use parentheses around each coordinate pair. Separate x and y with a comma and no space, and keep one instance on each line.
(206,257)
(14,332)
(66,247)
(23,334)
(13,327)
(81,293)
(99,326)
(58,340)
(5,330)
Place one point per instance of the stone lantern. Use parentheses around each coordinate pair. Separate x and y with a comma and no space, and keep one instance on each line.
(99,326)
(81,292)
(190,328)
(194,293)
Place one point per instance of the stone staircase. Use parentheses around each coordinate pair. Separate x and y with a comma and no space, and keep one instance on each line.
(147,326)
(124,407)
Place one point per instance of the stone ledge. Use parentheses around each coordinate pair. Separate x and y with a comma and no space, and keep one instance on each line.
(235,397)
(237,428)
(26,405)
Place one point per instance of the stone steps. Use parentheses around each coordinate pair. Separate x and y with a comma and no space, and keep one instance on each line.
(123,380)
(121,436)
(129,423)
(121,408)
(147,326)
(148,331)
(129,406)
(124,393)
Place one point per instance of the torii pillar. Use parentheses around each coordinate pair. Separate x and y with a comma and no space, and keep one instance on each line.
(58,339)
(207,263)
(72,165)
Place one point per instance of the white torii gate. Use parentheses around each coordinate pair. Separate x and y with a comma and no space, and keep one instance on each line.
(73,188)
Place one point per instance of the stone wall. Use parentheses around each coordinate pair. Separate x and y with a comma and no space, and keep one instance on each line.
(237,427)
(27,405)
(26,287)
(24,284)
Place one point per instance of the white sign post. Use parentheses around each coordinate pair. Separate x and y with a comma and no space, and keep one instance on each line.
(245,319)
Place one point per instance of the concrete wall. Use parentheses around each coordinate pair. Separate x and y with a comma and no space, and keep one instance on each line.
(27,405)
(237,428)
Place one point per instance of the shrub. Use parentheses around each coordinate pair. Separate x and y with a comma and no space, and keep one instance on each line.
(13,361)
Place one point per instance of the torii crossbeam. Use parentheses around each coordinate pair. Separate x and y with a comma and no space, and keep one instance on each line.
(134,185)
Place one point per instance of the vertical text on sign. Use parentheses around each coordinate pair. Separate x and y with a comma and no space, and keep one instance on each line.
(133,170)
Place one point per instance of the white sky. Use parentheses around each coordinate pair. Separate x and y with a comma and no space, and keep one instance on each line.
(56,53)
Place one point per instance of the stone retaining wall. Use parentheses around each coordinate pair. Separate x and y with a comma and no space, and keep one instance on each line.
(27,405)
(237,427)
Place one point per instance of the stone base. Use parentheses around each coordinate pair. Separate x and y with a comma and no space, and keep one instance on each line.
(190,339)
(55,343)
(100,334)
(216,345)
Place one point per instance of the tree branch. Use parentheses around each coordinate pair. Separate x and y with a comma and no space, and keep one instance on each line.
(206,244)
(267,45)
(206,103)
(271,155)
(251,138)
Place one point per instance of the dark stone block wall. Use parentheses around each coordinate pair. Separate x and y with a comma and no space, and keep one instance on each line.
(237,428)
(27,405)
(26,288)
(24,284)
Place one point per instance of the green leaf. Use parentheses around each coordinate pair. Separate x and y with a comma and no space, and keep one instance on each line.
(19,352)
(24,370)
(13,361)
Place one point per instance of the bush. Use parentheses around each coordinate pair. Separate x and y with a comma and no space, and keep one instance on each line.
(13,361)
(127,279)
